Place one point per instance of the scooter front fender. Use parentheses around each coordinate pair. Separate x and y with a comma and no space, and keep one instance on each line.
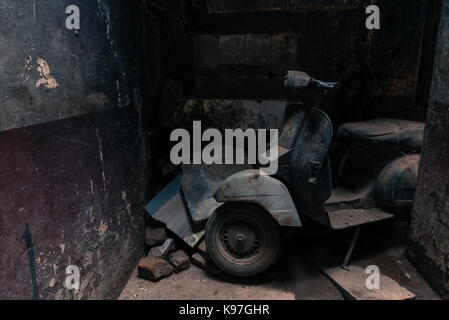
(265,191)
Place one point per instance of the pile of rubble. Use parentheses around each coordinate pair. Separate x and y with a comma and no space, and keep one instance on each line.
(166,257)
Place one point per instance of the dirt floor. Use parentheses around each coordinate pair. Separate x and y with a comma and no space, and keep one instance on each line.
(294,278)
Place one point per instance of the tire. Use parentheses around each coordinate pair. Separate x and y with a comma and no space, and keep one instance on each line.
(243,239)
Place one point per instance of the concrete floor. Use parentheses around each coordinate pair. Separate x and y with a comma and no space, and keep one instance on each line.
(294,278)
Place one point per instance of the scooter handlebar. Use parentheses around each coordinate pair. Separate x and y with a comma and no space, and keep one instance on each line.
(300,80)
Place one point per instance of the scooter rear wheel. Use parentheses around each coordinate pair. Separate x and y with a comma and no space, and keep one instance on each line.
(242,239)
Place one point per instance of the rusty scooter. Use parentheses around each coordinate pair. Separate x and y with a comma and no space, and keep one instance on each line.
(375,175)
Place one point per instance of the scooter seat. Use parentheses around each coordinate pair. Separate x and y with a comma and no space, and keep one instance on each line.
(407,135)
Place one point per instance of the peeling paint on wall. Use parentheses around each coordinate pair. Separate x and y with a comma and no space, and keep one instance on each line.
(47,73)
(45,78)
(70,132)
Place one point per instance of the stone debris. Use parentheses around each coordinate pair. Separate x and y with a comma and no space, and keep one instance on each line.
(202,248)
(155,236)
(164,250)
(206,265)
(154,269)
(180,260)
(166,258)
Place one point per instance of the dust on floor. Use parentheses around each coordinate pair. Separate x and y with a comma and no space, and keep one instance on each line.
(292,279)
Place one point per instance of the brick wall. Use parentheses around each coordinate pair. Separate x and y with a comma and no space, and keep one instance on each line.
(242,49)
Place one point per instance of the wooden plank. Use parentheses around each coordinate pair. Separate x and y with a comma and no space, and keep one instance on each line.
(352,282)
(348,218)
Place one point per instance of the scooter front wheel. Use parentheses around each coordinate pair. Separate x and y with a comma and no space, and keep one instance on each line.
(242,239)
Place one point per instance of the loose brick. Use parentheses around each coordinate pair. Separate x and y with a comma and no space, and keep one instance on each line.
(202,248)
(180,261)
(204,264)
(154,269)
(155,236)
(163,250)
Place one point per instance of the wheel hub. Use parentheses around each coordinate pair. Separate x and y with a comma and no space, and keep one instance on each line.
(240,239)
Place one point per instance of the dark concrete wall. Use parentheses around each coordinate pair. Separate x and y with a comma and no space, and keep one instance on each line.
(163,48)
(161,28)
(72,154)
(429,245)
(243,48)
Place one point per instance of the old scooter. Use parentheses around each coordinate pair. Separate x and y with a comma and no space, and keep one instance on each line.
(375,174)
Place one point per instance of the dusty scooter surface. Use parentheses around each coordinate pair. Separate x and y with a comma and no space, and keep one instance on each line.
(375,173)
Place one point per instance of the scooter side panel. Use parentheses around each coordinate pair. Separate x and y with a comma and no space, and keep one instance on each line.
(198,185)
(268,192)
(311,177)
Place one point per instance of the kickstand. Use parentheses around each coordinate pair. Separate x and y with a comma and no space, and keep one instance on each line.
(351,248)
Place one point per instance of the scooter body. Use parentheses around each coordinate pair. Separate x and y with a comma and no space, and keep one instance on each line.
(388,173)
(375,173)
